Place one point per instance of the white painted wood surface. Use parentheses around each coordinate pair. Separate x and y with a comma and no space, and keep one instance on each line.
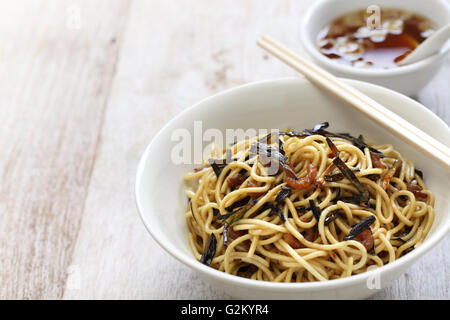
(80,104)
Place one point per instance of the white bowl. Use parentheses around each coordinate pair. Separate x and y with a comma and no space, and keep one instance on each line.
(407,79)
(277,104)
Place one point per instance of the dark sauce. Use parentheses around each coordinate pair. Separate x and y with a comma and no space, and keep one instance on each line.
(348,39)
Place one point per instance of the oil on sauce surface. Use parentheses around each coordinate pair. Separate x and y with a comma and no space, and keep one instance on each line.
(348,39)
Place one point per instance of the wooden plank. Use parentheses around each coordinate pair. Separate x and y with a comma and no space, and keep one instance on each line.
(56,65)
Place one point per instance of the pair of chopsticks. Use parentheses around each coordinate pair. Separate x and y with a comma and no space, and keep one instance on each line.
(361,102)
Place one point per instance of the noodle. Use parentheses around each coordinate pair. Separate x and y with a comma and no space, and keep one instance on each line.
(292,229)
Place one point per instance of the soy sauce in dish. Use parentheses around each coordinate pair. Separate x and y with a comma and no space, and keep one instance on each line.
(349,40)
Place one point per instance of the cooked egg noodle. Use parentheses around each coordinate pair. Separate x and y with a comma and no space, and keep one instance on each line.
(402,221)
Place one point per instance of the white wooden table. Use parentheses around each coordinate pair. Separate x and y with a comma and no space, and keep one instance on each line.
(84,87)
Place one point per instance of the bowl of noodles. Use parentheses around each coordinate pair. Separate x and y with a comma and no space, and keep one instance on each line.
(277,190)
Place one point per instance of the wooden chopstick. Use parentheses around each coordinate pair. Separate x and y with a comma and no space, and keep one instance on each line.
(361,102)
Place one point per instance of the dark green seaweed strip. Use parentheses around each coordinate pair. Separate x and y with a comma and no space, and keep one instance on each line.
(210,250)
(338,176)
(295,134)
(280,146)
(279,212)
(283,194)
(338,196)
(333,147)
(317,129)
(364,193)
(358,142)
(320,129)
(419,173)
(192,210)
(217,166)
(227,215)
(315,209)
(302,209)
(273,209)
(360,227)
(238,204)
(232,219)
(264,207)
(330,218)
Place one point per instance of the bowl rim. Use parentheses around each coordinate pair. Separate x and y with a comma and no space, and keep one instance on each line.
(266,285)
(312,50)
